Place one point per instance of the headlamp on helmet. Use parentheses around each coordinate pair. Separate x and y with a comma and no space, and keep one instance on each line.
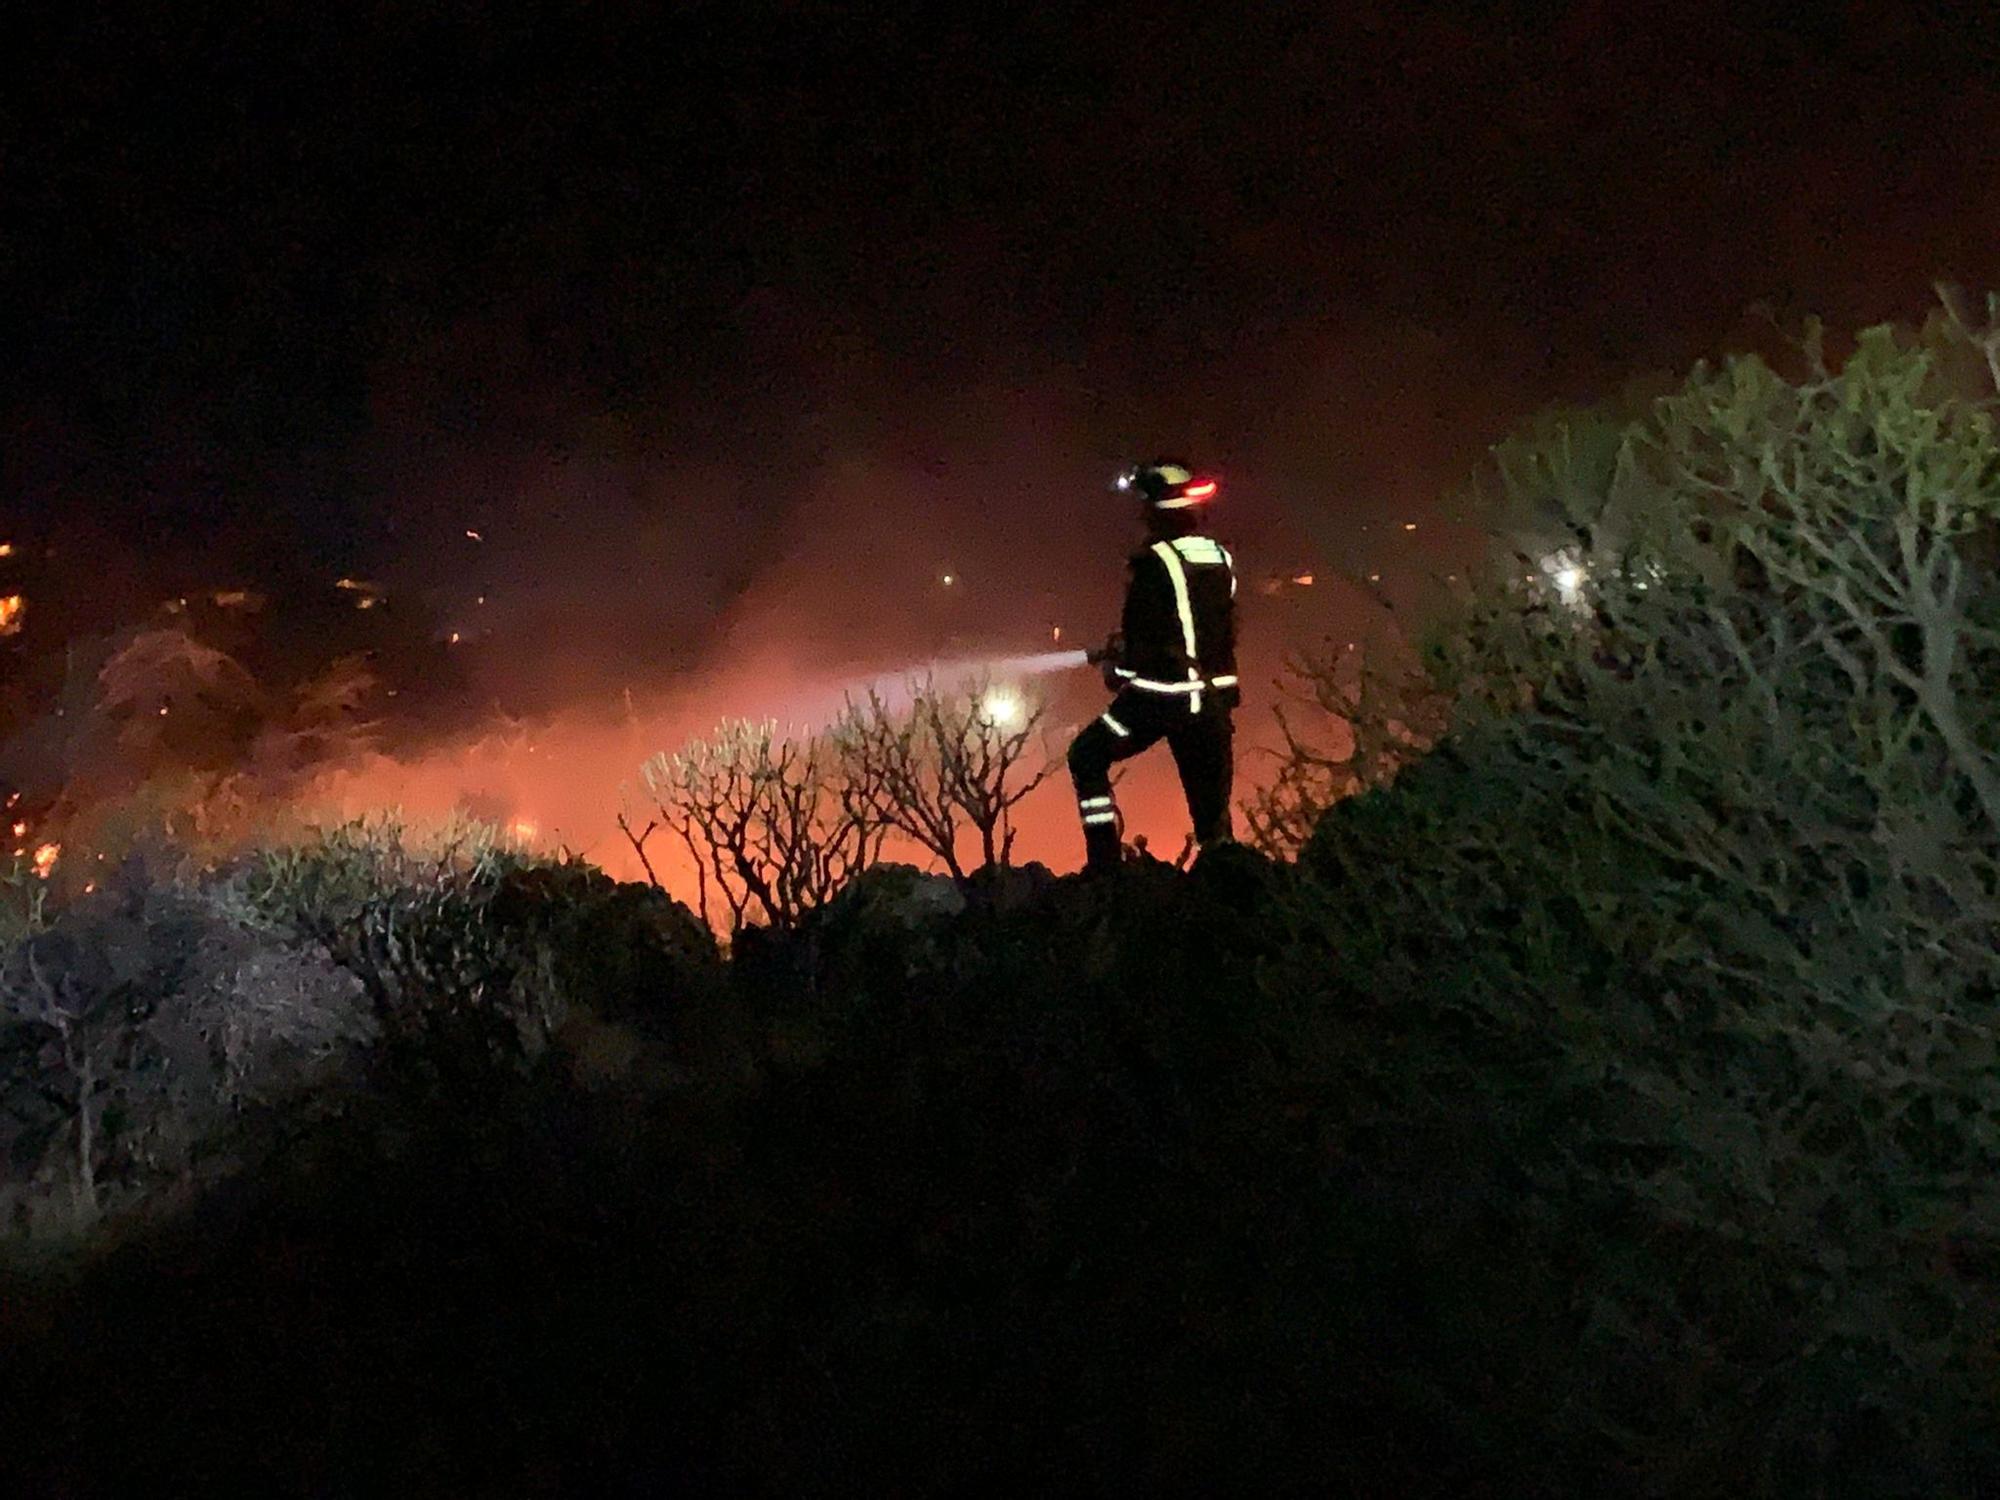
(1165,485)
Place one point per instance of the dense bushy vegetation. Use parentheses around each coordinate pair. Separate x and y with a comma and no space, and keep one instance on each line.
(1602,1100)
(1709,893)
(142,1025)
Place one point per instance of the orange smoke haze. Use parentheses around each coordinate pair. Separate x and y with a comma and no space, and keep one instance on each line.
(596,599)
(625,607)
(620,605)
(559,783)
(795,645)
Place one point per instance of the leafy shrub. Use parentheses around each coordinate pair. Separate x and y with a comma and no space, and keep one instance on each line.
(147,1020)
(1351,718)
(457,995)
(23,899)
(1689,927)
(627,951)
(135,1028)
(473,953)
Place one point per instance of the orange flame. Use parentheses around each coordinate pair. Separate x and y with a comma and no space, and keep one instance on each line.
(12,608)
(45,860)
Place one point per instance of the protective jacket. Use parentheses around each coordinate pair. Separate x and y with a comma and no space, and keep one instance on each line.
(1179,624)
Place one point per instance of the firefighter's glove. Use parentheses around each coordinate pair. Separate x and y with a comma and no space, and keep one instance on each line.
(1107,657)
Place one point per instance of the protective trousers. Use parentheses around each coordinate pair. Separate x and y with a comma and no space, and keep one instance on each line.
(1202,746)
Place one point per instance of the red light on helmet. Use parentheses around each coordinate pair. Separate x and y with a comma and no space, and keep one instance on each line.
(1201,489)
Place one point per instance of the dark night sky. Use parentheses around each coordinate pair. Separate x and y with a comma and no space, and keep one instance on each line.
(649,294)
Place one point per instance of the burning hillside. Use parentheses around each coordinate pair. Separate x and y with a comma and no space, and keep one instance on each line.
(214,721)
(510,666)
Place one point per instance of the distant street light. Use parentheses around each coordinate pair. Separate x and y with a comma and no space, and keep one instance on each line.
(1004,708)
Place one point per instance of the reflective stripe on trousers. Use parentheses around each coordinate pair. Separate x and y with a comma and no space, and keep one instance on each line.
(1201,747)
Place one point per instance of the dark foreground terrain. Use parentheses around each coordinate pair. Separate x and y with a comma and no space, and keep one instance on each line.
(935,1224)
(1080,1186)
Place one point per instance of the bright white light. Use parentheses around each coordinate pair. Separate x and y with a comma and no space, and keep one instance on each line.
(1567,573)
(1004,708)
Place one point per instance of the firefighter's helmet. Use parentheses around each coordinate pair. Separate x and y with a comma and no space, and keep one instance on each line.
(1164,484)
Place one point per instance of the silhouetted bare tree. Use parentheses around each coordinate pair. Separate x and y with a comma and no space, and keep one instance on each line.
(775,823)
(954,765)
(1350,722)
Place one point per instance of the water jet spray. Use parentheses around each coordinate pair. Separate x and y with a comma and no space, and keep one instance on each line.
(998,677)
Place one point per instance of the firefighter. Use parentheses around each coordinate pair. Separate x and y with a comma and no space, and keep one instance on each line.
(1172,664)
